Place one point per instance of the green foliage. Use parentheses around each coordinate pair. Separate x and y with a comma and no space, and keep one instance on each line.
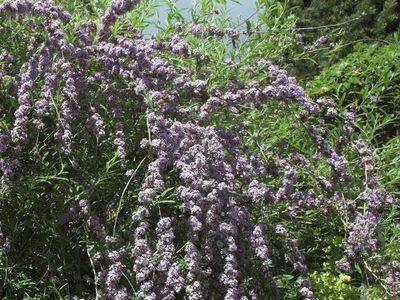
(370,68)
(328,286)
(370,78)
(344,23)
(362,19)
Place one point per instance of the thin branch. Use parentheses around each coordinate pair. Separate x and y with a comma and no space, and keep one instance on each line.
(123,193)
(329,25)
(348,44)
(96,279)
(248,18)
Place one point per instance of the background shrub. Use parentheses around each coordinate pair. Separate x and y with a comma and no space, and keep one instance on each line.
(362,19)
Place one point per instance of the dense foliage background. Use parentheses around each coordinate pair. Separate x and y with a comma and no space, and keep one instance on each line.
(362,19)
(69,202)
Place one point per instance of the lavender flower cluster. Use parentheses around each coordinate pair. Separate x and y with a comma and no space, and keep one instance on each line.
(208,246)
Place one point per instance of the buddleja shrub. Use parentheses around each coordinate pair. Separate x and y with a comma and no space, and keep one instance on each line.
(140,167)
